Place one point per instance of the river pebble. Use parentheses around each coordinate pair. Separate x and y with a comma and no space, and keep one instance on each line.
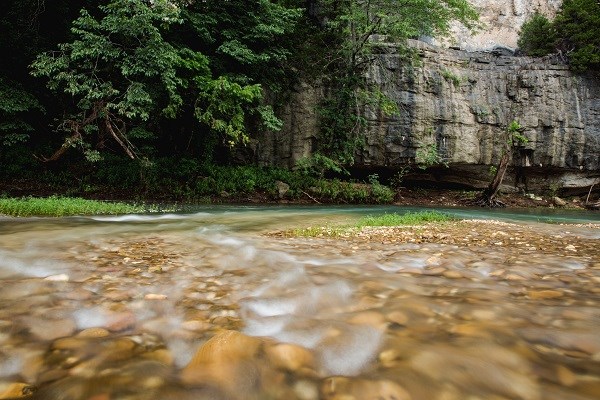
(471,310)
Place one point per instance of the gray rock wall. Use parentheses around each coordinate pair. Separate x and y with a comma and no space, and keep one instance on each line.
(462,103)
(501,21)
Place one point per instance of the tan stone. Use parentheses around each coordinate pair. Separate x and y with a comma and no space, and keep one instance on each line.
(544,294)
(388,357)
(371,318)
(163,356)
(470,330)
(452,274)
(93,333)
(13,390)
(397,317)
(155,296)
(342,388)
(69,343)
(120,321)
(565,376)
(290,357)
(228,359)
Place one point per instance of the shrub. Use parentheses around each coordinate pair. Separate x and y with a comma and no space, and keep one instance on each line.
(411,218)
(61,206)
(537,36)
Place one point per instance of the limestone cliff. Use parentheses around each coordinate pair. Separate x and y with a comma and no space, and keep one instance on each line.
(461,102)
(500,22)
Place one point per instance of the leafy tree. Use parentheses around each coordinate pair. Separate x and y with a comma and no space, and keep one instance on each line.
(574,33)
(134,63)
(537,36)
(117,69)
(354,25)
(513,137)
(246,45)
(578,30)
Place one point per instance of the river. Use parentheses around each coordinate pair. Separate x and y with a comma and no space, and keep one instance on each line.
(212,304)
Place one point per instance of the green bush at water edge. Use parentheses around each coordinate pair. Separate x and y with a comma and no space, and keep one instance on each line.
(394,219)
(61,206)
(411,218)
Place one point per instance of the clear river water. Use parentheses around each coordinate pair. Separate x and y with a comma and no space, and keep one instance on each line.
(214,304)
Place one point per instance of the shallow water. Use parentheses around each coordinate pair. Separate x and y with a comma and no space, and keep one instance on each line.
(124,307)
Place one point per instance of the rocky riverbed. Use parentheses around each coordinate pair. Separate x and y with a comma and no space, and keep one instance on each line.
(463,310)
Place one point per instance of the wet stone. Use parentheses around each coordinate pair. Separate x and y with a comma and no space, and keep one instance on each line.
(450,316)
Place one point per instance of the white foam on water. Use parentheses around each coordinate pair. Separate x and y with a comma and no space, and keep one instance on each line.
(10,364)
(293,309)
(140,218)
(266,307)
(12,264)
(351,351)
(269,326)
(90,317)
(182,351)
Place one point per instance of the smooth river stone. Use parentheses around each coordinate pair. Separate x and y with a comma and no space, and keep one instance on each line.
(544,294)
(50,329)
(227,360)
(13,390)
(290,357)
(93,333)
(342,388)
(397,317)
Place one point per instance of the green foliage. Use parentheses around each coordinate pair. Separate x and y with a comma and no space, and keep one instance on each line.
(117,68)
(16,105)
(574,33)
(318,164)
(221,105)
(411,218)
(379,192)
(61,206)
(537,36)
(398,178)
(352,26)
(451,77)
(514,130)
(578,31)
(134,63)
(428,156)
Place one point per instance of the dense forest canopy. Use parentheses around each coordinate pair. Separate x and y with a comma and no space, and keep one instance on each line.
(175,78)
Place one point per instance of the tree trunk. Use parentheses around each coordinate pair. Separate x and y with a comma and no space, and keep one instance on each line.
(488,196)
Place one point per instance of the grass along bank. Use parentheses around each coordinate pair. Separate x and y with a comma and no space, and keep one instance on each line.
(62,206)
(370,221)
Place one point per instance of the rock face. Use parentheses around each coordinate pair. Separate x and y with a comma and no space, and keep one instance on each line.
(460,103)
(500,21)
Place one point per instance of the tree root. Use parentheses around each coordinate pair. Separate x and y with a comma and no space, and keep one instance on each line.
(484,201)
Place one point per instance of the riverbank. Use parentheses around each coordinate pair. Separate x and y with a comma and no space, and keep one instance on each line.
(424,197)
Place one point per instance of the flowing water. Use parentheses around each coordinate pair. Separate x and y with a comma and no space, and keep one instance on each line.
(209,305)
